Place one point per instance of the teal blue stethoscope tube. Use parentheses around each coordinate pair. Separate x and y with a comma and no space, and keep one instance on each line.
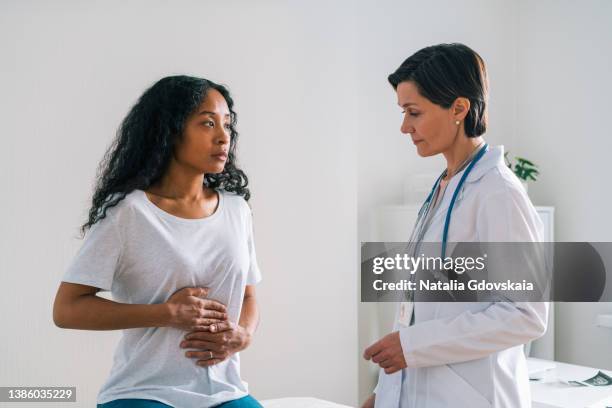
(447,221)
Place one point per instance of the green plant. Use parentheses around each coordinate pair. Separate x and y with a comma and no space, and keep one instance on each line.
(523,168)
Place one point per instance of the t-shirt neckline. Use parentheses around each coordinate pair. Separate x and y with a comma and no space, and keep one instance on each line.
(176,218)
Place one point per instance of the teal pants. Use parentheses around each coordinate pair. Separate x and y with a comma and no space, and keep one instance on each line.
(245,402)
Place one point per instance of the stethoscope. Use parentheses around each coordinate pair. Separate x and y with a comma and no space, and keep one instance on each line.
(425,207)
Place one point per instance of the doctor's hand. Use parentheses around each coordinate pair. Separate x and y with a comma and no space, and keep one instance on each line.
(216,344)
(186,310)
(387,353)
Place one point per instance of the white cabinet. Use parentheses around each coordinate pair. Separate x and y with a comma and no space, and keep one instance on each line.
(547,215)
(392,223)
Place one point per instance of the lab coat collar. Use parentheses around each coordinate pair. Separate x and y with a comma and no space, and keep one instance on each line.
(494,157)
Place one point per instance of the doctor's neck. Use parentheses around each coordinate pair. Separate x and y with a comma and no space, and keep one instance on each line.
(462,148)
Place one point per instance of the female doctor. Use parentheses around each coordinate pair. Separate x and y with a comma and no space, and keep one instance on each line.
(458,354)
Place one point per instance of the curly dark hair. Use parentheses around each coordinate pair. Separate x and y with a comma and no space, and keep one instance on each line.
(141,153)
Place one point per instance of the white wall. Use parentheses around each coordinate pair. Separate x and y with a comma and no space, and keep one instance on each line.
(69,74)
(563,107)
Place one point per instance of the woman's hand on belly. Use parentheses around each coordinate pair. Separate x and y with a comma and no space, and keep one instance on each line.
(188,311)
(387,353)
(212,347)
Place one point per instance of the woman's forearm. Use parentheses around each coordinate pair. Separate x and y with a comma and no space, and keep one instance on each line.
(249,316)
(91,312)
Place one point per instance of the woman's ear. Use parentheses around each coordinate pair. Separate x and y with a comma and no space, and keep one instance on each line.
(460,108)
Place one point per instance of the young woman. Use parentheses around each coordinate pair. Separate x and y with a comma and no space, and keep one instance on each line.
(169,234)
(462,354)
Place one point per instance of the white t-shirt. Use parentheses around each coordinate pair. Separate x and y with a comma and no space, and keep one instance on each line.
(143,255)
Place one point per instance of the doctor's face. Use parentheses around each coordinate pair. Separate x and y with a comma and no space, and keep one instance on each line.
(431,127)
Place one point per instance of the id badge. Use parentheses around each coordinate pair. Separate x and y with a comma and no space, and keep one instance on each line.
(405,313)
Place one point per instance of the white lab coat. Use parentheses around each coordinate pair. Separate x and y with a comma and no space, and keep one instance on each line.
(471,354)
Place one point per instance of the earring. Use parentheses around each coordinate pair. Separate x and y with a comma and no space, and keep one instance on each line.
(457,122)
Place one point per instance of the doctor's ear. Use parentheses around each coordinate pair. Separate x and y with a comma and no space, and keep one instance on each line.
(460,108)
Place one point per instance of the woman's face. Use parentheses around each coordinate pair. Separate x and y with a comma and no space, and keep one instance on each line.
(431,127)
(206,136)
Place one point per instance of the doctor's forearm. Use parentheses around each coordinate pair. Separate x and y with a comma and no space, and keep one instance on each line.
(473,335)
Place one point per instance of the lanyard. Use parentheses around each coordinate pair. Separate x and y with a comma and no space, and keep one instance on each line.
(425,207)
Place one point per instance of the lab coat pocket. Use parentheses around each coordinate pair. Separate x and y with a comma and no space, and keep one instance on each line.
(454,390)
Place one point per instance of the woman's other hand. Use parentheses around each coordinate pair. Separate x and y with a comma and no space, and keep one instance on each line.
(369,403)
(387,353)
(216,344)
(188,311)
